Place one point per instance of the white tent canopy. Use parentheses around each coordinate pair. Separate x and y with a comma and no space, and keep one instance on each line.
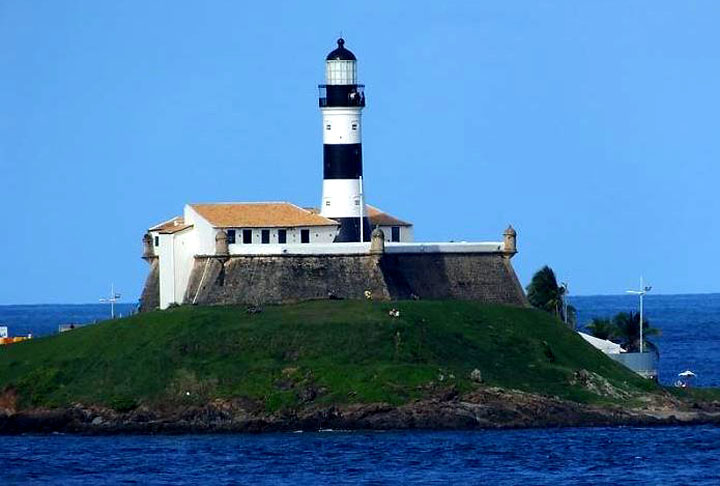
(607,347)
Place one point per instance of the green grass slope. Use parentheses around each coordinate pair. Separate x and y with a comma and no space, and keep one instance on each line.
(345,351)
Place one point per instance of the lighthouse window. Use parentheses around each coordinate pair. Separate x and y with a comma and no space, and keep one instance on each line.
(282,236)
(354,126)
(247,237)
(231,236)
(157,241)
(304,236)
(327,127)
(265,237)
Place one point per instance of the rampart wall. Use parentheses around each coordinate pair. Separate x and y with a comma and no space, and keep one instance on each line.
(273,279)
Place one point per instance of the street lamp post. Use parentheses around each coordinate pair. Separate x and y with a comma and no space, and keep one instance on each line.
(564,286)
(114,297)
(643,290)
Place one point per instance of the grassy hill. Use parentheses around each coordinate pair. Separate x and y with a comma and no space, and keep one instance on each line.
(332,352)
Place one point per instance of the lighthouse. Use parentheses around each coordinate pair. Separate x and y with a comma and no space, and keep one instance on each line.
(341,102)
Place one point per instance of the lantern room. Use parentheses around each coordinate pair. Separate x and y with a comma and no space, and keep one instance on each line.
(341,88)
(341,66)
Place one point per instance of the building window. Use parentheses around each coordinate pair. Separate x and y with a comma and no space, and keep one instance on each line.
(327,127)
(231,237)
(247,237)
(265,237)
(395,233)
(354,126)
(157,241)
(357,202)
(305,236)
(282,236)
(327,203)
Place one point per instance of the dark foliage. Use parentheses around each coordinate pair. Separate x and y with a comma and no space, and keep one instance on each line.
(544,293)
(624,329)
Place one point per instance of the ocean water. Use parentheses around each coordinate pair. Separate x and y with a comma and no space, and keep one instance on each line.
(690,327)
(667,455)
(42,320)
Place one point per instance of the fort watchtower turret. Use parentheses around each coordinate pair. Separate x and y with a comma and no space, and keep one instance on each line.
(510,241)
(377,242)
(221,243)
(148,248)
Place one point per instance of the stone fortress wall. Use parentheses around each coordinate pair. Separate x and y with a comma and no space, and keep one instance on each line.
(274,279)
(281,279)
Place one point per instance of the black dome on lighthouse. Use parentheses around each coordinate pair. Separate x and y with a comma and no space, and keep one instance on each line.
(341,54)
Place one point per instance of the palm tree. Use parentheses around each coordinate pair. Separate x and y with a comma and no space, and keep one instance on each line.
(627,329)
(602,328)
(571,315)
(544,293)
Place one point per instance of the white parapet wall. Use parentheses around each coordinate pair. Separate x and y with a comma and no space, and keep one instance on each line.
(452,247)
(361,248)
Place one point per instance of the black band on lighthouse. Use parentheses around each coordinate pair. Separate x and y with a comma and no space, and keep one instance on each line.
(342,161)
(350,229)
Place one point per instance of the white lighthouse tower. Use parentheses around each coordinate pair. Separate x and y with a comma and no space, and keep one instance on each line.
(341,102)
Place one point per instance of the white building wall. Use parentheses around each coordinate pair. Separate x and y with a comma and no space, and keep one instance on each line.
(167,270)
(155,235)
(176,258)
(406,233)
(184,246)
(318,235)
(204,231)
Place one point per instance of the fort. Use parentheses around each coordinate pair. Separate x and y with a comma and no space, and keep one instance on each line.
(451,271)
(278,252)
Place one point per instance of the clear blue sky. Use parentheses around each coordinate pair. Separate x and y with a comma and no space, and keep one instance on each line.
(592,127)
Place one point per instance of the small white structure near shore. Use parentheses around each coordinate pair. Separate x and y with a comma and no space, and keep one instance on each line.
(644,364)
(607,347)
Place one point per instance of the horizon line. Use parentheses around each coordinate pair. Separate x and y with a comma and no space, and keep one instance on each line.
(650,295)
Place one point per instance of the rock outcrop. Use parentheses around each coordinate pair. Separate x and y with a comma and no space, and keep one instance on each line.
(484,408)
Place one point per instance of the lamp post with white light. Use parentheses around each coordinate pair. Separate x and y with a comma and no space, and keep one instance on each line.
(565,292)
(114,297)
(643,290)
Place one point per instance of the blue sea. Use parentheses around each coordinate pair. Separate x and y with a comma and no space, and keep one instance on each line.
(690,326)
(663,456)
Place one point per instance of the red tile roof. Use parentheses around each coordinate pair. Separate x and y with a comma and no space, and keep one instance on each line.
(171,226)
(380,218)
(260,215)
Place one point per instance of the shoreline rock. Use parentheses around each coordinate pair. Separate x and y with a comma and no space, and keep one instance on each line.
(487,408)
